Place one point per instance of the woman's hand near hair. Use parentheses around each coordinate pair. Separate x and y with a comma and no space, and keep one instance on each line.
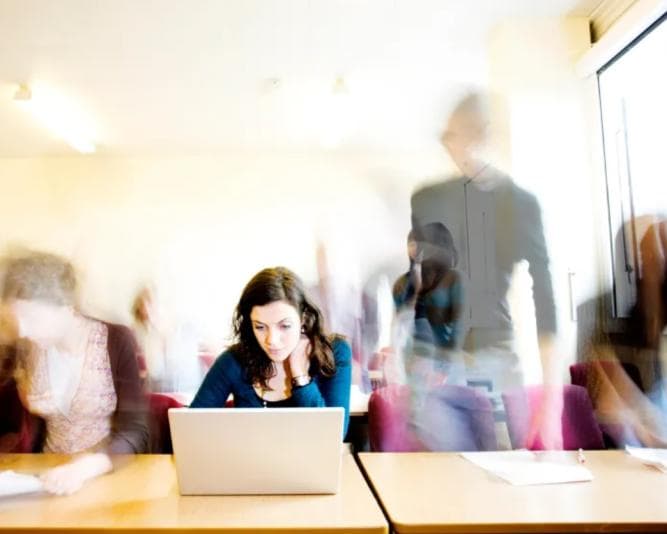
(70,477)
(416,274)
(299,360)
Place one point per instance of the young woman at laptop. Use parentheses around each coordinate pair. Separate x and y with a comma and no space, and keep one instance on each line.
(282,356)
(77,381)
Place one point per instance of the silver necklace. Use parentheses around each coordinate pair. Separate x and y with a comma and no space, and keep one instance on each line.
(262,390)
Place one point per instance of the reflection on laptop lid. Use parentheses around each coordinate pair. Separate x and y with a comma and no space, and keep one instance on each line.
(239,451)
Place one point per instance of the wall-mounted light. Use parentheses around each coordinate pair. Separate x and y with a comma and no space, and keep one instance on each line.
(23,93)
(339,86)
(58,114)
(336,115)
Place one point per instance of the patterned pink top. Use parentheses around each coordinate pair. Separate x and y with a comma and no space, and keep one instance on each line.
(87,423)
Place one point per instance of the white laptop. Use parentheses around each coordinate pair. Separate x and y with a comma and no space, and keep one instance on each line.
(241,451)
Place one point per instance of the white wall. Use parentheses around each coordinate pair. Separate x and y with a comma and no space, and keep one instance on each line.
(546,128)
(200,226)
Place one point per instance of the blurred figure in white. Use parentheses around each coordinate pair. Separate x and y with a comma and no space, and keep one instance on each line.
(338,296)
(169,347)
(378,331)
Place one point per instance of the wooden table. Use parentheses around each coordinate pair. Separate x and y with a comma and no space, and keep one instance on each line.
(142,496)
(442,492)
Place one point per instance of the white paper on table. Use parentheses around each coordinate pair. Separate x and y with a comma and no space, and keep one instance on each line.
(653,457)
(12,483)
(523,468)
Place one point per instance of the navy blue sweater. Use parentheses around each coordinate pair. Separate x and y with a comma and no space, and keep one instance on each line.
(227,376)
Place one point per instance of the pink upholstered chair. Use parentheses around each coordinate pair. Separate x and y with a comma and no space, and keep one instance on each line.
(388,418)
(160,435)
(580,429)
(615,435)
(579,372)
(451,418)
(19,431)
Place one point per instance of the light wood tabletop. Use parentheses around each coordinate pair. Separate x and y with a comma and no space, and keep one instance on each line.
(141,495)
(443,492)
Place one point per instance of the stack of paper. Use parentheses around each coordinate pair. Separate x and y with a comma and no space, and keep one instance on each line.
(653,457)
(523,468)
(12,483)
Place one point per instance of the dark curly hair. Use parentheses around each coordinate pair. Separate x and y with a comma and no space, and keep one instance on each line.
(271,285)
(440,254)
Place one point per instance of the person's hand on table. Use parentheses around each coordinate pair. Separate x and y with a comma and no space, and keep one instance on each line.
(70,477)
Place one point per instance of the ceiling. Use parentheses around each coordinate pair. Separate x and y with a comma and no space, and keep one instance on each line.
(166,76)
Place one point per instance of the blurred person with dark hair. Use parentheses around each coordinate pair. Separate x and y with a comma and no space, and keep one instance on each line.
(652,299)
(282,356)
(495,225)
(623,369)
(432,291)
(75,375)
(651,308)
(625,414)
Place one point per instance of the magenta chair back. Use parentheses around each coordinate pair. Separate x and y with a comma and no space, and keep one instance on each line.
(452,418)
(20,431)
(578,424)
(615,435)
(160,436)
(388,420)
(579,372)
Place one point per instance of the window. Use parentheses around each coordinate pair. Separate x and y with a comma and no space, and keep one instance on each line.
(633,101)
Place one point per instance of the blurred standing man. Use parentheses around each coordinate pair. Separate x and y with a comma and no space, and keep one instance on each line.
(495,225)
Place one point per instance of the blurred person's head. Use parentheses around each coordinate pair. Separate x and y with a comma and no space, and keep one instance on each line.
(433,244)
(465,134)
(270,318)
(338,277)
(40,292)
(143,306)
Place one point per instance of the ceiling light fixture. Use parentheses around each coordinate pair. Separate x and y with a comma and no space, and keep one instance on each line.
(23,93)
(58,114)
(339,86)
